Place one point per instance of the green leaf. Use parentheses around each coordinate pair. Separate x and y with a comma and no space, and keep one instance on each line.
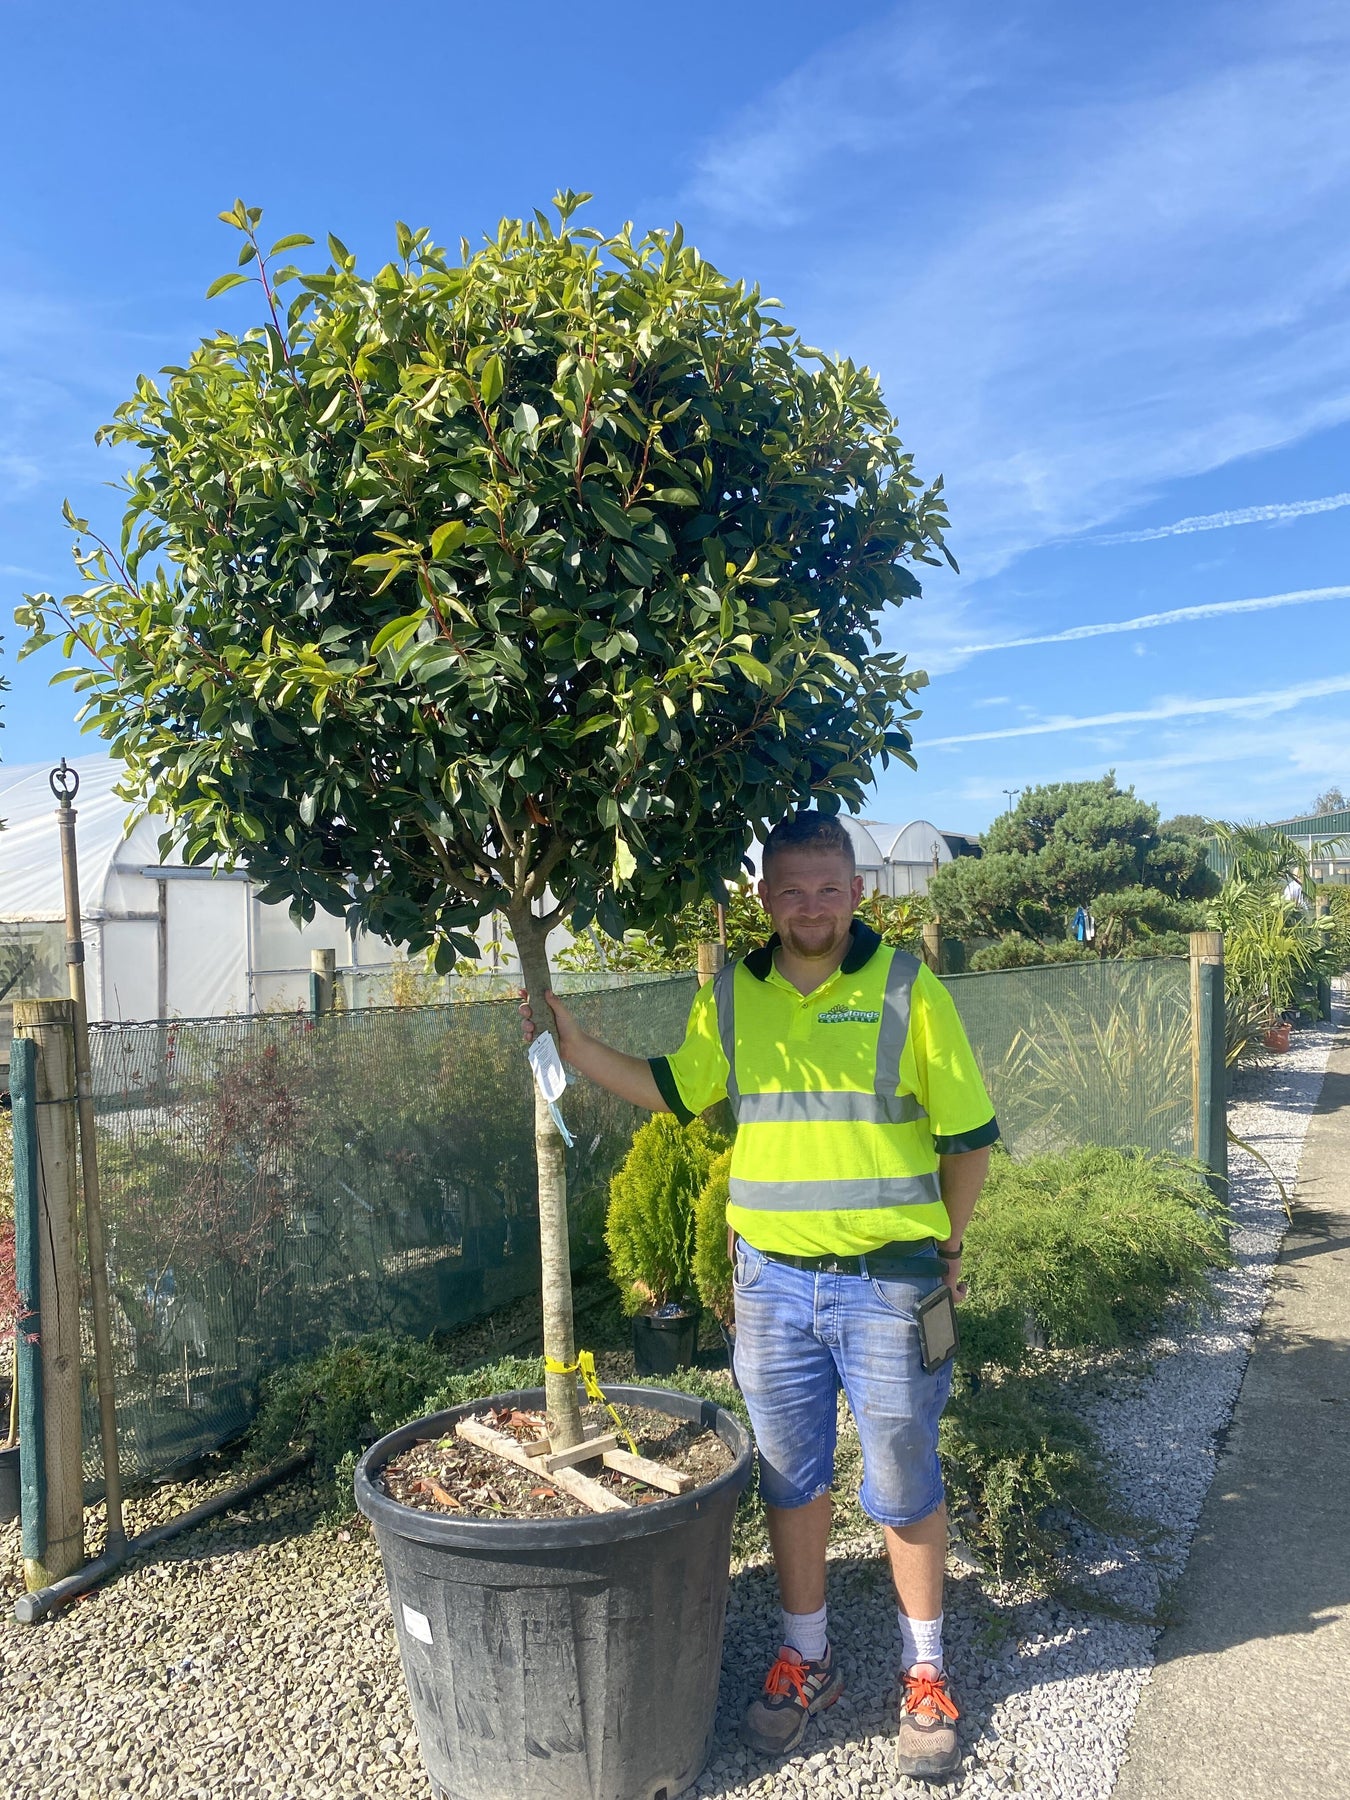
(447,537)
(756,670)
(223,283)
(396,633)
(492,380)
(613,519)
(625,863)
(608,811)
(293,242)
(676,496)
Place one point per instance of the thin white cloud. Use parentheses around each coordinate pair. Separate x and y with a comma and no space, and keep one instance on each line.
(1180,615)
(1220,521)
(1135,278)
(1273,700)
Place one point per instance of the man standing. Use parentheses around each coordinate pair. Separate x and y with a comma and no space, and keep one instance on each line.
(863,1134)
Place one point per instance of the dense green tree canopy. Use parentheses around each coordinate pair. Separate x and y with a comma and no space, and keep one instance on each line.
(554,569)
(1070,844)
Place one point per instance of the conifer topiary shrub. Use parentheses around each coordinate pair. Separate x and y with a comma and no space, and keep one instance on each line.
(712,1265)
(652,1196)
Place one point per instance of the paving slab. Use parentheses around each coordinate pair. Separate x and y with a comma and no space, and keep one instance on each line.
(1250,1694)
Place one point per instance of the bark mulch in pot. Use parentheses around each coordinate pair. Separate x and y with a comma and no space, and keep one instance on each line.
(450,1475)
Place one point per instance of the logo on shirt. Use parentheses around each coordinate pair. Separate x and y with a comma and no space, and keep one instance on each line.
(847,1015)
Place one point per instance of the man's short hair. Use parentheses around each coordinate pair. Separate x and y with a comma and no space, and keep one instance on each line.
(822,832)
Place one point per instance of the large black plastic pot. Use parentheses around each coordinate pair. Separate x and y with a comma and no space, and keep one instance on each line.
(561,1659)
(9,1484)
(663,1343)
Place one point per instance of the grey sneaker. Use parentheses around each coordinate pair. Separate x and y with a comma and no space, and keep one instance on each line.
(793,1690)
(926,1746)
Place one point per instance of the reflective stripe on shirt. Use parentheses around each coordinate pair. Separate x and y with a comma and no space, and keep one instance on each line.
(853,1193)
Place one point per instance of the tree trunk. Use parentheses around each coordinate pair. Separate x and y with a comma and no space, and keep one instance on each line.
(550,1157)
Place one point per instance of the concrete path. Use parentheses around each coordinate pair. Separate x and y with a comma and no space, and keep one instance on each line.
(1250,1697)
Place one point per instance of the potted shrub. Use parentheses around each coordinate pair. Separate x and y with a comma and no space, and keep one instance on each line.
(713,1272)
(528,585)
(650,1233)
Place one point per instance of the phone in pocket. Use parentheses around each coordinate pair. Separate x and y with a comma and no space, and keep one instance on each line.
(938,1337)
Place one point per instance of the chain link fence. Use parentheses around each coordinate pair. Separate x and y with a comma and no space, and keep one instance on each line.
(270,1181)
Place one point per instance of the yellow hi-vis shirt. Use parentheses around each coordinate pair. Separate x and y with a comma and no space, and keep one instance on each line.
(844,1098)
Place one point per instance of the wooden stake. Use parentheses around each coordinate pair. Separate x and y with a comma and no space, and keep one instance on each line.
(579,1453)
(580,1487)
(50,1023)
(671,1481)
(711,958)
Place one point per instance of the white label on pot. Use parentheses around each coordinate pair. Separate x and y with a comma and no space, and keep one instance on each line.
(416,1624)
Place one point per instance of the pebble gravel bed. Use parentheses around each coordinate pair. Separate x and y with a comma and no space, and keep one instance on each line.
(256,1655)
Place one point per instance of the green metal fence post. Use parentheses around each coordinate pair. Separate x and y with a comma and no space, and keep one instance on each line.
(1209,1070)
(27,1346)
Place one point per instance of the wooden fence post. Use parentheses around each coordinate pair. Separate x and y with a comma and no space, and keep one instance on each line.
(51,1026)
(1209,1069)
(322,979)
(711,958)
(932,944)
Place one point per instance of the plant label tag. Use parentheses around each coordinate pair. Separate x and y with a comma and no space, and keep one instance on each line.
(416,1624)
(549,1075)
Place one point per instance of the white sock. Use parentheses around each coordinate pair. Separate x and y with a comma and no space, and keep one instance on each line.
(805,1633)
(920,1641)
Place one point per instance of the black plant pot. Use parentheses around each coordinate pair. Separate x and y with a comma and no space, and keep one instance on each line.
(661,1345)
(9,1484)
(563,1658)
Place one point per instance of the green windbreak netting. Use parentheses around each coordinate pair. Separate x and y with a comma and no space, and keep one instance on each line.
(269,1181)
(1084,1052)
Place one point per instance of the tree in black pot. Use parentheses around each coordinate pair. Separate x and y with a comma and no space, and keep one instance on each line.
(531,583)
(650,1233)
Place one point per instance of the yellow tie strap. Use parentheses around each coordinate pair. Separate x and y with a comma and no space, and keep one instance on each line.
(585,1367)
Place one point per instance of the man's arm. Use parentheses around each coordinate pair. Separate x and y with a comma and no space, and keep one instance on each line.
(961,1176)
(630,1077)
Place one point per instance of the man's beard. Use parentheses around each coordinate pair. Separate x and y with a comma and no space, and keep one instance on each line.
(814,941)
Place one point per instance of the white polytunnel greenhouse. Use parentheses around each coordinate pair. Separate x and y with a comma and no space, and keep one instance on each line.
(162,941)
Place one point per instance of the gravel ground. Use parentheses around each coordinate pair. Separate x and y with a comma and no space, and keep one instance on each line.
(258,1654)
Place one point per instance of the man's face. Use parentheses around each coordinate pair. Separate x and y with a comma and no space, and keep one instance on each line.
(811,895)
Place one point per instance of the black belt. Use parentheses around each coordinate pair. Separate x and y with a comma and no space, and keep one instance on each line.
(886,1263)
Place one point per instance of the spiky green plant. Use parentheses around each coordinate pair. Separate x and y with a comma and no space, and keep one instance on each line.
(1079,1072)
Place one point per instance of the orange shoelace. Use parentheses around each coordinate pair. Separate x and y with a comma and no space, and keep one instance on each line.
(926,1695)
(784,1675)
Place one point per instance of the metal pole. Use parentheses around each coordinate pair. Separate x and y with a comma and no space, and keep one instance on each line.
(50,1023)
(1209,1114)
(28,1280)
(65,784)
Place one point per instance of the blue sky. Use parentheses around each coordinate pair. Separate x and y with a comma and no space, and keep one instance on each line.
(1098,257)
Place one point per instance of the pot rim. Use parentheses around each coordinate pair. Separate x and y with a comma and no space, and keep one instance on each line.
(487,1536)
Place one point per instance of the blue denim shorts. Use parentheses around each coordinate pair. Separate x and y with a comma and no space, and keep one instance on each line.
(800,1337)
